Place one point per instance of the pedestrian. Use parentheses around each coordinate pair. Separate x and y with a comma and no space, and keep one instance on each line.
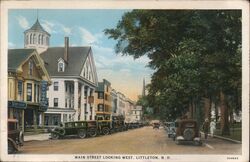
(212,127)
(205,127)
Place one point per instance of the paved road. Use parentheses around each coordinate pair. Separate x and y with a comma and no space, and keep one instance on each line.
(138,141)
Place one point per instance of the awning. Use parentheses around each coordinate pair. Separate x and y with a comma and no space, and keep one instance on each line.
(17,104)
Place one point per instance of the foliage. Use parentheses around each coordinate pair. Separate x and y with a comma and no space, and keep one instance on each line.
(195,54)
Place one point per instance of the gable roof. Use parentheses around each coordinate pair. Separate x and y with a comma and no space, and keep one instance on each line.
(76,58)
(17,56)
(37,27)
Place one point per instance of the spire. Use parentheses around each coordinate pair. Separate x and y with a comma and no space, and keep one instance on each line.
(143,88)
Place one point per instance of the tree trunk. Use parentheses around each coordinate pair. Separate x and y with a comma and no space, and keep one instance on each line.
(190,116)
(225,130)
(207,108)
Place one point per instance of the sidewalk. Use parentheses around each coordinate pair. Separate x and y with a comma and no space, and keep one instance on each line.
(37,137)
(224,138)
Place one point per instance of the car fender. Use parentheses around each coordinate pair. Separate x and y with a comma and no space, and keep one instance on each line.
(180,138)
(13,143)
(21,138)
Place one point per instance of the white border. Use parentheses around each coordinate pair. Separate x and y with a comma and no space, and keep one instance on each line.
(120,4)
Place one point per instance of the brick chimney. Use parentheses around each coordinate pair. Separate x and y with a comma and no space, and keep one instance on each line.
(66,49)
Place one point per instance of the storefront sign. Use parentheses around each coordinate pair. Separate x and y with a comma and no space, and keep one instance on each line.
(44,100)
(17,104)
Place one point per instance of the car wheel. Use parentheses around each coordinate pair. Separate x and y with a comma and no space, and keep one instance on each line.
(197,143)
(11,148)
(54,136)
(105,131)
(82,133)
(177,142)
(92,132)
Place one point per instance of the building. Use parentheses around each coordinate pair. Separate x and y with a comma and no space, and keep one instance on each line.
(103,99)
(73,75)
(36,38)
(136,114)
(129,106)
(114,104)
(27,84)
(121,103)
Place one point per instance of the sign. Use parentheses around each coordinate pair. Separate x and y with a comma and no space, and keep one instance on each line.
(44,99)
(17,104)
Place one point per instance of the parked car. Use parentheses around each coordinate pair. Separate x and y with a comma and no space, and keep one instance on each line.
(15,136)
(187,130)
(170,128)
(79,128)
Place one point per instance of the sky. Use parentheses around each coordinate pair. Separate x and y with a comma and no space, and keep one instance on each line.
(85,28)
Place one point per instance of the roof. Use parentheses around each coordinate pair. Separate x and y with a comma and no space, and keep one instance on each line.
(37,27)
(76,58)
(17,56)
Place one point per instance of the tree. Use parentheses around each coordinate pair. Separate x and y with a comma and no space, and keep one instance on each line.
(196,55)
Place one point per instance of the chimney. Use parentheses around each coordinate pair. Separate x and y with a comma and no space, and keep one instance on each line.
(66,49)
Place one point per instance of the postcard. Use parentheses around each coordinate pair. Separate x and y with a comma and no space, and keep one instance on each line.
(124,80)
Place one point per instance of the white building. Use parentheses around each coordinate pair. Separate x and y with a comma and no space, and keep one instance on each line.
(114,103)
(136,114)
(121,103)
(73,75)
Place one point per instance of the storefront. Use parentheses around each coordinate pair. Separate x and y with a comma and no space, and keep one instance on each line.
(16,110)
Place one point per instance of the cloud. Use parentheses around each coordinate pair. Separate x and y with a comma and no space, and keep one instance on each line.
(53,27)
(87,37)
(22,21)
(11,45)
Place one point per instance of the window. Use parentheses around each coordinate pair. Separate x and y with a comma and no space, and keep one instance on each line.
(100,107)
(60,67)
(66,103)
(34,38)
(100,95)
(66,87)
(55,86)
(55,102)
(30,67)
(107,88)
(29,92)
(64,117)
(30,38)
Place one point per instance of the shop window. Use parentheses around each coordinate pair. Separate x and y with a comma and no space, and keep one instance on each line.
(55,86)
(29,92)
(55,102)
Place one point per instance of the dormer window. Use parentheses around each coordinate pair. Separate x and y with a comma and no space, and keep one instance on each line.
(61,65)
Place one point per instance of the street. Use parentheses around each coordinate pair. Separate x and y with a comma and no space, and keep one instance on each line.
(137,141)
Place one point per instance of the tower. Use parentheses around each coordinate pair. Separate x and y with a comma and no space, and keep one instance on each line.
(36,38)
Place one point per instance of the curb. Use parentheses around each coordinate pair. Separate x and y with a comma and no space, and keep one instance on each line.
(224,138)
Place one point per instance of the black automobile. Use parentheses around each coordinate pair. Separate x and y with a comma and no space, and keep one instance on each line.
(15,136)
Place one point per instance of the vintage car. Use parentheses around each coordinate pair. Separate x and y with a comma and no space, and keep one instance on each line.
(170,128)
(187,131)
(118,124)
(79,128)
(15,136)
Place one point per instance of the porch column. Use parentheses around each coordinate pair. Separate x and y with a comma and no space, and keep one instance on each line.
(93,104)
(35,119)
(23,121)
(82,102)
(87,100)
(76,100)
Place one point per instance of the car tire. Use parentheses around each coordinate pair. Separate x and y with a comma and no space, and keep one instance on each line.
(11,148)
(54,136)
(82,133)
(177,142)
(92,132)
(197,143)
(105,131)
(188,134)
